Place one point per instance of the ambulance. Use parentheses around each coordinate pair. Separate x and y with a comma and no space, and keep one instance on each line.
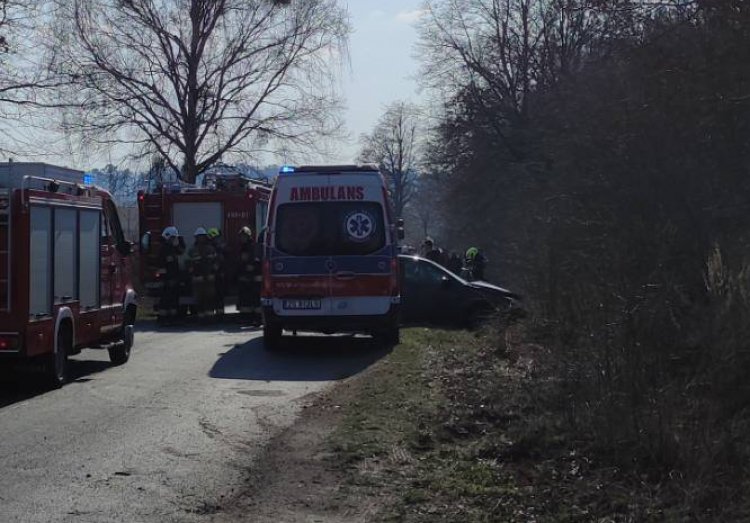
(65,269)
(330,261)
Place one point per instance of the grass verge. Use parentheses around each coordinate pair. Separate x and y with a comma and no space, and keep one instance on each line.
(451,426)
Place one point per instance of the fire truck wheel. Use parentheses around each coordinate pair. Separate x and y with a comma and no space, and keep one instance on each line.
(271,335)
(57,364)
(119,353)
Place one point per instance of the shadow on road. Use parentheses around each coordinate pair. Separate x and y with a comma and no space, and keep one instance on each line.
(300,358)
(24,384)
(229,323)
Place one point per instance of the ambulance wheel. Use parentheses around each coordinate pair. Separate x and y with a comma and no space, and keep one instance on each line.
(57,364)
(272,335)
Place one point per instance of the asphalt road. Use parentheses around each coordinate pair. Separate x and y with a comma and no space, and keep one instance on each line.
(170,436)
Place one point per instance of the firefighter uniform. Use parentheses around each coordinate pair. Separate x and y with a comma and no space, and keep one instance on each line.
(249,277)
(202,268)
(217,242)
(169,273)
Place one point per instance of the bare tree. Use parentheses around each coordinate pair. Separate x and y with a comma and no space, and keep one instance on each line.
(496,53)
(121,183)
(424,207)
(196,80)
(26,83)
(394,146)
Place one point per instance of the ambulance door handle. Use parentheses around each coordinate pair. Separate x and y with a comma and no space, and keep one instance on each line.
(345,275)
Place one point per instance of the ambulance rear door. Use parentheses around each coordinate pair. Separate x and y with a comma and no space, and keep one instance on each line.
(300,264)
(362,253)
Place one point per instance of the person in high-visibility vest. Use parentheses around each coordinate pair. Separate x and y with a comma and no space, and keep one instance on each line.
(249,278)
(217,241)
(202,268)
(169,274)
(475,263)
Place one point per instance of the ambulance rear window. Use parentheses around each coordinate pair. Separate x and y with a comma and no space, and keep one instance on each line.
(330,228)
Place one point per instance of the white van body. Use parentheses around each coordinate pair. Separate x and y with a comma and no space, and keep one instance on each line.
(331,255)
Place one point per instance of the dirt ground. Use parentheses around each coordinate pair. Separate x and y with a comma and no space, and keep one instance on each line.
(295,479)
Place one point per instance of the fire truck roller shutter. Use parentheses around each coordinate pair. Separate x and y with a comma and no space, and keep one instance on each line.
(40,261)
(65,246)
(188,216)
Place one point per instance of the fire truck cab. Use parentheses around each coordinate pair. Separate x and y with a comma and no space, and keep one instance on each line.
(225,200)
(64,269)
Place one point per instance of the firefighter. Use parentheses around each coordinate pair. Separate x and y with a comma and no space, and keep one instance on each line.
(249,278)
(169,270)
(217,242)
(433,253)
(475,263)
(202,267)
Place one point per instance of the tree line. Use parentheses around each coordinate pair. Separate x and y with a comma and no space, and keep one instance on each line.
(598,150)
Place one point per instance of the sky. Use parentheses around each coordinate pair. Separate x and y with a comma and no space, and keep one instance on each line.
(383,68)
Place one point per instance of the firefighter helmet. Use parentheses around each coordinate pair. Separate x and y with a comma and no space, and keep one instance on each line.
(170,232)
(247,231)
(471,253)
(200,231)
(213,232)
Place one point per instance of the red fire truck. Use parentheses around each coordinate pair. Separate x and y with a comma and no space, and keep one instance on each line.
(224,199)
(64,269)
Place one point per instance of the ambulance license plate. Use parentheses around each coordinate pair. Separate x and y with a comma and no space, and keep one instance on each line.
(301,304)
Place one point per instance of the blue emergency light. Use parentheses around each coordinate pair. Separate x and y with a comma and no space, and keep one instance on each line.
(88,179)
(286,169)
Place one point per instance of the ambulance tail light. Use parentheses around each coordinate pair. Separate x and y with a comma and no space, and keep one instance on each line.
(9,342)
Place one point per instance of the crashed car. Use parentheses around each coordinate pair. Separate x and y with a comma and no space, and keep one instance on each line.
(431,294)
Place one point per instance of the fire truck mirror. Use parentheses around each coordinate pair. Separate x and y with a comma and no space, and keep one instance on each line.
(146,243)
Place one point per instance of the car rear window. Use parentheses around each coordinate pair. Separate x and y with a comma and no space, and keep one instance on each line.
(330,228)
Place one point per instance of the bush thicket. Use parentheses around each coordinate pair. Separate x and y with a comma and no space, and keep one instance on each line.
(599,152)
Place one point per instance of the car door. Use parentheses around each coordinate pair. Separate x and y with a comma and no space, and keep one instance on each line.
(422,292)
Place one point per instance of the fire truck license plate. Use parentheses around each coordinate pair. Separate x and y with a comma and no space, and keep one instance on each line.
(304,304)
